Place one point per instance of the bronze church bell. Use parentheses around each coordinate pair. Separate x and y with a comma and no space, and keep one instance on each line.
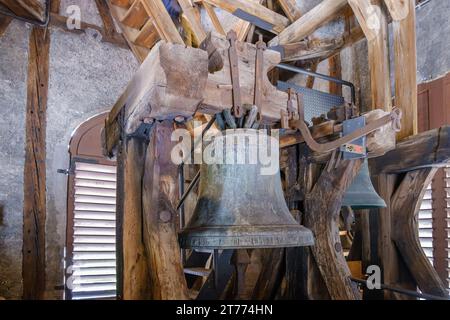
(361,194)
(238,207)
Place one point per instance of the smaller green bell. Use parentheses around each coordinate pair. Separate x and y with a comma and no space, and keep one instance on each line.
(361,194)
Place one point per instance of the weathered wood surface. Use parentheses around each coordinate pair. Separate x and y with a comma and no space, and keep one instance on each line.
(159,199)
(405,205)
(107,20)
(270,276)
(322,207)
(405,61)
(174,81)
(380,81)
(217,94)
(324,12)
(290,9)
(60,22)
(4,23)
(135,282)
(427,149)
(387,256)
(163,87)
(30,9)
(34,206)
(274,22)
(162,21)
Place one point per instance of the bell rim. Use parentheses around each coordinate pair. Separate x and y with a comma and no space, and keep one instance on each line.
(260,237)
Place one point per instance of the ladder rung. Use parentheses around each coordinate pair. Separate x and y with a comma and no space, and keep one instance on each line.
(136,16)
(148,35)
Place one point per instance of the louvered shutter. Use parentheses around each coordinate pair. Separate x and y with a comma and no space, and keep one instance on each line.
(94,232)
(425,224)
(447,198)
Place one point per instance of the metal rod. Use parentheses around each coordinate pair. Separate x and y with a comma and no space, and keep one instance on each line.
(402,291)
(188,190)
(181,209)
(320,76)
(38,23)
(197,176)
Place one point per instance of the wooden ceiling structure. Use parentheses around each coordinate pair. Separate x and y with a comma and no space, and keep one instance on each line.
(162,89)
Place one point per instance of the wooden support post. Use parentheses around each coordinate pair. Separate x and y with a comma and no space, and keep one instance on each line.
(55,6)
(322,207)
(159,198)
(405,61)
(373,20)
(108,23)
(405,206)
(336,72)
(34,206)
(134,282)
(270,277)
(387,257)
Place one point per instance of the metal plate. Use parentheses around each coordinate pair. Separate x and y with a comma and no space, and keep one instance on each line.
(315,102)
(348,126)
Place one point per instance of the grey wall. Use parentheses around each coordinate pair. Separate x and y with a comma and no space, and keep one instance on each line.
(13,92)
(86,78)
(433,40)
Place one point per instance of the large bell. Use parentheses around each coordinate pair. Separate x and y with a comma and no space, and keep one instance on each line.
(238,207)
(361,194)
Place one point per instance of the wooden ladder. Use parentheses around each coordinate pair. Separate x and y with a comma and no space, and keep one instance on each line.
(136,24)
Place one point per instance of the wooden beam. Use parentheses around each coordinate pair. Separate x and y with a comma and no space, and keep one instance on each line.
(366,14)
(405,206)
(162,88)
(322,207)
(4,24)
(135,275)
(214,19)
(159,199)
(193,17)
(29,9)
(34,206)
(399,10)
(105,15)
(55,6)
(318,48)
(242,27)
(427,149)
(405,61)
(309,22)
(57,21)
(290,8)
(253,13)
(162,20)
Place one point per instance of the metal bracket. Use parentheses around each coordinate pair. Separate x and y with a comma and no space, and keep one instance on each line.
(142,132)
(234,69)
